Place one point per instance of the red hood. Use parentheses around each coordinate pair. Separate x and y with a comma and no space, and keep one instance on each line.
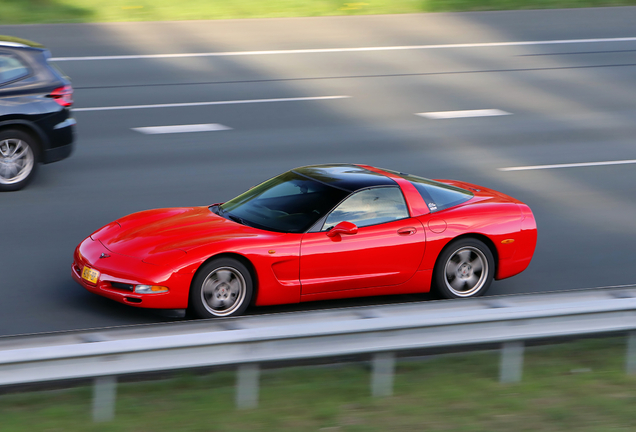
(175,231)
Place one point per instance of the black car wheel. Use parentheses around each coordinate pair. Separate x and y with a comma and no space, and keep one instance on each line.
(222,288)
(465,268)
(18,159)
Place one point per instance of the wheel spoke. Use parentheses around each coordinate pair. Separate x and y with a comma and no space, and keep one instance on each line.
(15,149)
(457,284)
(451,269)
(224,276)
(216,303)
(471,281)
(208,287)
(235,288)
(13,171)
(476,264)
(23,152)
(463,255)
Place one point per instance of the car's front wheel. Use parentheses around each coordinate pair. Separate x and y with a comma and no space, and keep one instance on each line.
(18,159)
(222,288)
(465,268)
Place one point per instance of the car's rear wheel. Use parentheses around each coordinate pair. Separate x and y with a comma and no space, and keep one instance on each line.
(18,159)
(465,268)
(222,288)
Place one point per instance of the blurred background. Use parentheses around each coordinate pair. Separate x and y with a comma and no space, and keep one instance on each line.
(298,83)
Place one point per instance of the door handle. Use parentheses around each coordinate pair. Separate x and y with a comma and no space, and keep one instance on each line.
(407,231)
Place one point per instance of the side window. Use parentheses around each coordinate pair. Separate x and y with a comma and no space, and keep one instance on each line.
(369,207)
(11,69)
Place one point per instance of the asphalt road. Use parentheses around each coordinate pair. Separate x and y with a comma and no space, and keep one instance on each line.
(570,102)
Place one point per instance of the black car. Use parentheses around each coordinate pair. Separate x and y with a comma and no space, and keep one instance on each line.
(35,117)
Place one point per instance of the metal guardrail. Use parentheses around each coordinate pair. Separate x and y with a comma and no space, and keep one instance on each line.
(380,330)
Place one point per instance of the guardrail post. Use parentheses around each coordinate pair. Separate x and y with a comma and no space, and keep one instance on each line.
(247,377)
(511,367)
(382,374)
(630,361)
(104,394)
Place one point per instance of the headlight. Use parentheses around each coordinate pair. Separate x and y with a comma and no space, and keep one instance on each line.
(150,289)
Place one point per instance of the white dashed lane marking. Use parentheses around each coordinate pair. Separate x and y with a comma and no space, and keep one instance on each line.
(209,127)
(341,50)
(442,115)
(571,165)
(193,104)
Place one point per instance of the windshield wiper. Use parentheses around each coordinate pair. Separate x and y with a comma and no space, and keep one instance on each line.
(217,209)
(237,219)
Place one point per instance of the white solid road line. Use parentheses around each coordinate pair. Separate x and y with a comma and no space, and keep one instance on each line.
(572,165)
(442,115)
(153,130)
(191,104)
(340,50)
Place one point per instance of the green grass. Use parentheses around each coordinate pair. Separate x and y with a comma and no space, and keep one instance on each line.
(572,387)
(59,11)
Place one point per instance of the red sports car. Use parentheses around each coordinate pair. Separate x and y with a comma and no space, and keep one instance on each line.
(313,233)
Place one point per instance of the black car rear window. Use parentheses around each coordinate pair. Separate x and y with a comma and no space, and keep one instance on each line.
(11,69)
(438,196)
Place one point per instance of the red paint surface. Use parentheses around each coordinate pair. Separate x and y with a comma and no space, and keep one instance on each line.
(375,256)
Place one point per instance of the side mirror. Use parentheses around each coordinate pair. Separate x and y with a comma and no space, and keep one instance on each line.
(343,228)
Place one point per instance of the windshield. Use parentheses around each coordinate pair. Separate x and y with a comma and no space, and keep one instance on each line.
(287,203)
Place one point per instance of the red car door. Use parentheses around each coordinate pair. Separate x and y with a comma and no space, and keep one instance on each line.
(387,251)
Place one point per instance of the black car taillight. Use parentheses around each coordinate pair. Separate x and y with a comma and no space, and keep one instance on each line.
(63,95)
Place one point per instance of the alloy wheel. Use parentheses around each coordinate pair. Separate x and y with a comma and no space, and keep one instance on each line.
(223,291)
(466,271)
(16,161)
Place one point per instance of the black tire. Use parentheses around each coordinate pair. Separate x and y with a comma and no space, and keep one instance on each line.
(221,288)
(16,173)
(464,269)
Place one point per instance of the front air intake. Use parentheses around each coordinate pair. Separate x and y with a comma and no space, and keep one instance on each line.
(122,286)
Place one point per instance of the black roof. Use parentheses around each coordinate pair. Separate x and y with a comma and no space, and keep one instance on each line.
(345,176)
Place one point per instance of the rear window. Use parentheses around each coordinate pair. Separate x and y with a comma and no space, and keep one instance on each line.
(57,69)
(438,196)
(11,69)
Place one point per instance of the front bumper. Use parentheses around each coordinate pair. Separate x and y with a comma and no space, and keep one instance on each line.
(119,273)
